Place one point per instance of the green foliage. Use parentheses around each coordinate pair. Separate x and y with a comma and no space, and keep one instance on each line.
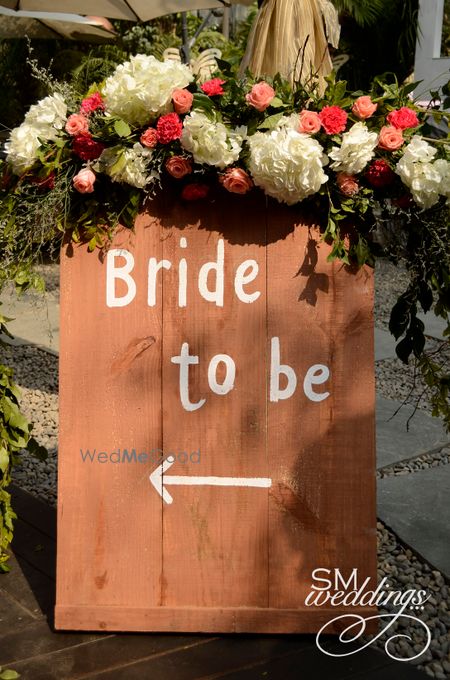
(8,674)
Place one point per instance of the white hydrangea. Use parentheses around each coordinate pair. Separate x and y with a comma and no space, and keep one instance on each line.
(129,166)
(287,164)
(43,122)
(426,180)
(211,143)
(356,150)
(142,88)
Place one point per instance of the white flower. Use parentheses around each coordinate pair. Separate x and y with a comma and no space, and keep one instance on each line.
(287,164)
(142,88)
(211,143)
(129,166)
(427,180)
(356,150)
(42,123)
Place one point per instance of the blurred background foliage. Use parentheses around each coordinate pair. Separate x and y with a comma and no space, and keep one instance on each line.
(378,35)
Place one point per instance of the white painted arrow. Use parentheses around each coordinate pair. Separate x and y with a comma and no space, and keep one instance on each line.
(160,480)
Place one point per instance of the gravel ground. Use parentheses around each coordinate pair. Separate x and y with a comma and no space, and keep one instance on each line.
(37,374)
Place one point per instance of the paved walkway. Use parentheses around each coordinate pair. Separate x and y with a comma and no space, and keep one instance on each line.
(29,645)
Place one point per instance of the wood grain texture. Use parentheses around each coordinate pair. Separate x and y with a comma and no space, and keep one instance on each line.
(218,559)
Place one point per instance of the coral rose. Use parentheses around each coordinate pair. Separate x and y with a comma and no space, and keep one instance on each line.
(390,138)
(149,138)
(347,184)
(92,103)
(213,87)
(309,122)
(260,96)
(87,148)
(236,180)
(380,174)
(84,181)
(364,107)
(403,118)
(182,100)
(178,166)
(195,192)
(333,119)
(77,124)
(169,128)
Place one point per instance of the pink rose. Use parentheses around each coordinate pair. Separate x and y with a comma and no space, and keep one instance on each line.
(182,100)
(77,124)
(403,118)
(149,138)
(364,108)
(84,181)
(236,180)
(348,184)
(260,96)
(390,138)
(309,122)
(178,166)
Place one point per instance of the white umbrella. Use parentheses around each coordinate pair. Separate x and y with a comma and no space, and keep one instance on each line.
(133,10)
(53,25)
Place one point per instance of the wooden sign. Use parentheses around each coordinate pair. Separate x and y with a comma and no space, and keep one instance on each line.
(217,423)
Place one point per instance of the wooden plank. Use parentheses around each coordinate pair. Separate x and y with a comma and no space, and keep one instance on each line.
(322,453)
(109,525)
(201,619)
(34,511)
(214,539)
(31,588)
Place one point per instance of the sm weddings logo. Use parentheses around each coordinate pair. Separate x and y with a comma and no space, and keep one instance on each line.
(330,588)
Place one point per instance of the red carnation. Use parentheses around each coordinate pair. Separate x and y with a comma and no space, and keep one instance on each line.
(87,148)
(92,103)
(195,192)
(403,118)
(333,119)
(213,87)
(380,174)
(169,128)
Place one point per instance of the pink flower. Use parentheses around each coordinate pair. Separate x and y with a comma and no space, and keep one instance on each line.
(149,138)
(364,107)
(333,119)
(77,124)
(390,138)
(182,100)
(195,192)
(92,103)
(178,166)
(403,118)
(348,184)
(309,122)
(87,148)
(379,174)
(260,96)
(84,181)
(213,87)
(236,180)
(169,128)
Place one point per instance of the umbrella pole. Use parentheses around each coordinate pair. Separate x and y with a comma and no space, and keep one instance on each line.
(185,33)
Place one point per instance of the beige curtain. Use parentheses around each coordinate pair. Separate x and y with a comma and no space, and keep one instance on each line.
(291,37)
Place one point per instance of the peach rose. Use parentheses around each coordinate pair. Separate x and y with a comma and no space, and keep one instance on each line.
(390,138)
(260,96)
(348,184)
(84,181)
(236,180)
(309,122)
(77,124)
(364,107)
(182,100)
(178,166)
(149,138)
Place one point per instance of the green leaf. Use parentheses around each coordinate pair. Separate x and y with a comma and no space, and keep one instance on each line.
(122,128)
(36,450)
(276,103)
(9,675)
(4,459)
(271,122)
